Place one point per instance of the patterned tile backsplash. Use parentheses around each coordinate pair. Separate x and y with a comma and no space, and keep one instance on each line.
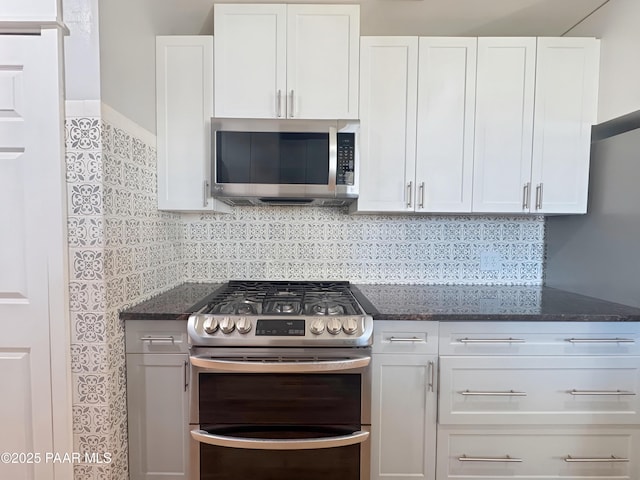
(302,243)
(122,250)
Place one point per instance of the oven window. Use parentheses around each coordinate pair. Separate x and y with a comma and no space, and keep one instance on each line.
(272,158)
(280,399)
(223,463)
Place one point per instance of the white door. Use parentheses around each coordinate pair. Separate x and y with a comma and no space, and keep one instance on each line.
(322,61)
(566,106)
(33,279)
(250,63)
(446,108)
(388,90)
(504,124)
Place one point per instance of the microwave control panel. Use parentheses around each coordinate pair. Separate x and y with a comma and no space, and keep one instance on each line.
(345,174)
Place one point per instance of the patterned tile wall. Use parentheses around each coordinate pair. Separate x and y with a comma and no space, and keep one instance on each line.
(122,251)
(302,243)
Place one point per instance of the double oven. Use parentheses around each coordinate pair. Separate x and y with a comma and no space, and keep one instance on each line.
(281,383)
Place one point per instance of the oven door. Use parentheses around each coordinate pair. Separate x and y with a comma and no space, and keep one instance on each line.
(269,415)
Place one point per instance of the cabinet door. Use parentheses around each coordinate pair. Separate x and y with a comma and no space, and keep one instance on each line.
(322,61)
(504,124)
(566,103)
(388,92)
(158,414)
(446,105)
(250,60)
(403,417)
(184,83)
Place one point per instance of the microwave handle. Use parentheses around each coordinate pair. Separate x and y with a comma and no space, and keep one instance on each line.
(333,157)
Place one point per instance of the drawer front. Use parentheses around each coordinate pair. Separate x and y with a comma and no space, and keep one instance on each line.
(539,338)
(535,390)
(164,336)
(535,454)
(414,337)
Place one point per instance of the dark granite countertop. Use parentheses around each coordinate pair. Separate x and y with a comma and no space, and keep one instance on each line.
(424,302)
(487,303)
(175,304)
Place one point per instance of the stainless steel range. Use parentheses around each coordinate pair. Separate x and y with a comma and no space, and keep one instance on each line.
(281,383)
(314,314)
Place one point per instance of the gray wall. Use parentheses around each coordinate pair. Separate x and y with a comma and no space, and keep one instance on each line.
(599,254)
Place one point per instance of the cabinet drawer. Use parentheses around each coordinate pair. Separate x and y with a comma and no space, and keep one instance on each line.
(537,453)
(539,338)
(413,337)
(165,336)
(534,390)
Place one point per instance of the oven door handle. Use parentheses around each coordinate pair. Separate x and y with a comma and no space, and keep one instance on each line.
(240,366)
(203,436)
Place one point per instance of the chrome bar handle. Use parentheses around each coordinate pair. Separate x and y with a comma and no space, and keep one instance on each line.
(291,109)
(600,340)
(431,372)
(409,190)
(509,393)
(601,392)
(279,104)
(525,196)
(421,194)
(612,458)
(491,340)
(158,339)
(354,438)
(405,339)
(239,366)
(539,197)
(506,458)
(205,193)
(186,376)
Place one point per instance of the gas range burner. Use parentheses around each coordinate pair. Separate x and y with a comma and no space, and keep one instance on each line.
(281,314)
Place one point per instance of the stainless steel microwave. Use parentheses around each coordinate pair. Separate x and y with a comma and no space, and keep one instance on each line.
(284,162)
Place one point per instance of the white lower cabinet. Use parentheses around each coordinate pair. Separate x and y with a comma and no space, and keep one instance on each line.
(157,401)
(403,406)
(538,400)
(537,453)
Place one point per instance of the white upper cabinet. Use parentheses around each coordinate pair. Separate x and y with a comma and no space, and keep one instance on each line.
(416,124)
(184,92)
(286,61)
(388,93)
(504,124)
(536,102)
(446,105)
(565,109)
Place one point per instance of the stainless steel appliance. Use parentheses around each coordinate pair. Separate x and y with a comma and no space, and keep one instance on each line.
(280,162)
(281,383)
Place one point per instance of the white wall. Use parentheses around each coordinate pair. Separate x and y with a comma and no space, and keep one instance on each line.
(617,24)
(81,50)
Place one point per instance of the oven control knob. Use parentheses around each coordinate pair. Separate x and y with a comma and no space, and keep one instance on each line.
(243,325)
(317,326)
(227,325)
(350,326)
(210,325)
(334,326)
